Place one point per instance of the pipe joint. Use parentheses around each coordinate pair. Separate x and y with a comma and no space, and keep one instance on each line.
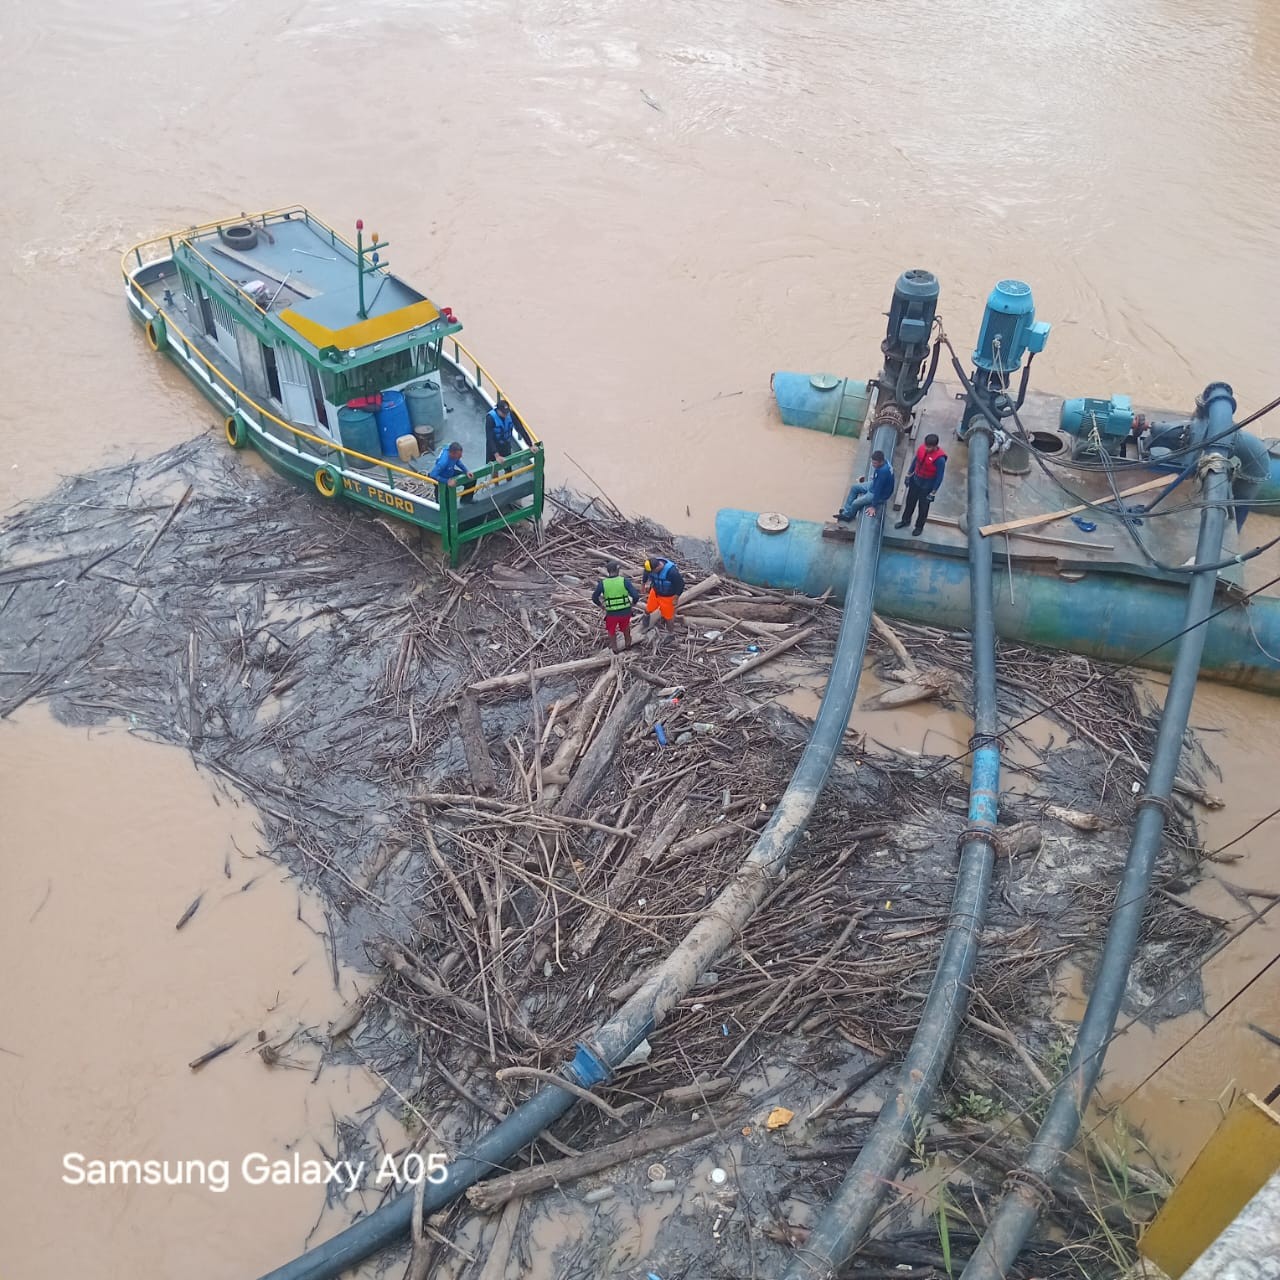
(979,835)
(979,426)
(1163,803)
(1216,391)
(588,1068)
(1035,1190)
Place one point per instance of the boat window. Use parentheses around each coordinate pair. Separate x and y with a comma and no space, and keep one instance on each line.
(273,373)
(376,375)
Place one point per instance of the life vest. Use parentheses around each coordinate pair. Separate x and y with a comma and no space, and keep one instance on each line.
(660,579)
(927,463)
(615,593)
(503,428)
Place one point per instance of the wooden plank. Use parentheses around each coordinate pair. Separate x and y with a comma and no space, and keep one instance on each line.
(1044,538)
(482,776)
(1027,522)
(768,656)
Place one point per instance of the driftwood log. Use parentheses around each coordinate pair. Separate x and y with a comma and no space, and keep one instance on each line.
(598,758)
(497,1191)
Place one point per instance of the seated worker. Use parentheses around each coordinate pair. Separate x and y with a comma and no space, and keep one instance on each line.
(500,434)
(665,585)
(615,594)
(449,466)
(867,497)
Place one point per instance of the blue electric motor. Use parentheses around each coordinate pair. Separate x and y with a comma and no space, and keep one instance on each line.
(1009,329)
(1097,425)
(1010,333)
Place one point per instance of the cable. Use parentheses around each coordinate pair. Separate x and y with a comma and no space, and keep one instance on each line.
(959,758)
(1245,832)
(1208,1022)
(1025,1111)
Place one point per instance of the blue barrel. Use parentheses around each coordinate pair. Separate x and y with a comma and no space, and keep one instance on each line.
(393,421)
(359,431)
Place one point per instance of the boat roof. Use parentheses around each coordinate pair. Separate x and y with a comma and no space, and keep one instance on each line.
(303,280)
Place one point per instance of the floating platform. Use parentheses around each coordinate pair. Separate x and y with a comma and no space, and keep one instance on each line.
(1093,593)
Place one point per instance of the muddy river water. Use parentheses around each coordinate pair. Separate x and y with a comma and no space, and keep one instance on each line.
(638,211)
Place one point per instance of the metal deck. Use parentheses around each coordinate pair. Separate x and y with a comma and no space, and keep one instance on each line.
(1171,538)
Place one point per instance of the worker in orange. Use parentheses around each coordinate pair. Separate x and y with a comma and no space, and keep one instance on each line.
(665,585)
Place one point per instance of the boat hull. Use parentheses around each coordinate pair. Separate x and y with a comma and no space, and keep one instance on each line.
(1117,617)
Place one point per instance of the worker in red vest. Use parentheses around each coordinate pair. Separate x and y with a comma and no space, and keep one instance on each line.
(923,480)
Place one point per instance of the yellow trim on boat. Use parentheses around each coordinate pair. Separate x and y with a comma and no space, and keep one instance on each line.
(364,333)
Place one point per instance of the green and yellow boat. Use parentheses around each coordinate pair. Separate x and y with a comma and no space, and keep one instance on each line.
(334,369)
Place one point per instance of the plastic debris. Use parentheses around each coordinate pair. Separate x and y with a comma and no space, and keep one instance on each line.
(779,1118)
(661,734)
(600,1193)
(1085,526)
(712,635)
(638,1055)
(657,1172)
(746,1131)
(719,1177)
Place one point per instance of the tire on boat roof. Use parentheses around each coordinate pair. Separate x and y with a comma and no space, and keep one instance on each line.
(236,431)
(239,236)
(155,331)
(328,482)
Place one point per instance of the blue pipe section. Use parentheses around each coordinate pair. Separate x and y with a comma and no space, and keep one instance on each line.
(1018,1210)
(901,1120)
(672,980)
(1109,614)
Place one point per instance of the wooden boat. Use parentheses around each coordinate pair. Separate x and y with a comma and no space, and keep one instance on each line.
(334,369)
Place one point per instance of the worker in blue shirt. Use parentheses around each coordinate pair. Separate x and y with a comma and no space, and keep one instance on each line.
(868,496)
(500,434)
(449,466)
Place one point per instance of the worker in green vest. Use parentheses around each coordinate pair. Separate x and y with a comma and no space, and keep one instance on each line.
(615,594)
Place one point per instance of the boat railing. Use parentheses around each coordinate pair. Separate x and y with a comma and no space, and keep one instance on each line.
(472,369)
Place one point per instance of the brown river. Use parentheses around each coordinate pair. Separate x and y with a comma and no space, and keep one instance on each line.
(639,212)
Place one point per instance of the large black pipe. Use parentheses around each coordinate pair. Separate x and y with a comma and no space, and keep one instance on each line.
(1016,1215)
(849,1216)
(672,980)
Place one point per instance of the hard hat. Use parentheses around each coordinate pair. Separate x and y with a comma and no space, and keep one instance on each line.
(648,568)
